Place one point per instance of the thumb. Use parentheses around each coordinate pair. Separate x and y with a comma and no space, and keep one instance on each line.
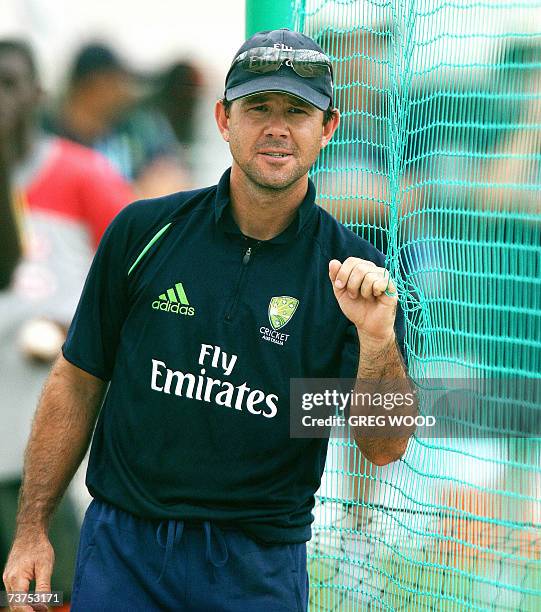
(334,267)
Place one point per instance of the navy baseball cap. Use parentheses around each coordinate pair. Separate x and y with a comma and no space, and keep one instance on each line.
(95,58)
(281,61)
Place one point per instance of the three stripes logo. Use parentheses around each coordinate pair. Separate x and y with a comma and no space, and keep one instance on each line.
(174,300)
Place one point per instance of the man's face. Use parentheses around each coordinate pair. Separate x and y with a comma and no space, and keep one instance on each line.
(274,138)
(110,92)
(19,93)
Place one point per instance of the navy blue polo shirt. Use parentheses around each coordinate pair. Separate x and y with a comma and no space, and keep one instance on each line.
(199,331)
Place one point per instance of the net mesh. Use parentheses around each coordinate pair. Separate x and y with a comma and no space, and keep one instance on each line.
(437,162)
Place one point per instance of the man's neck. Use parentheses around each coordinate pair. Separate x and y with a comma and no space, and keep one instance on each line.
(263,213)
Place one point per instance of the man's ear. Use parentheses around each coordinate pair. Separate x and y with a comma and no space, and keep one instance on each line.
(222,120)
(329,128)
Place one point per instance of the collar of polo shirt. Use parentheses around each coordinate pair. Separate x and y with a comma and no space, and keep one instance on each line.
(224,218)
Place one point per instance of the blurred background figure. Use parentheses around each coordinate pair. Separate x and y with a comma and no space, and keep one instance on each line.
(354,172)
(359,149)
(102,109)
(67,196)
(10,249)
(514,170)
(9,232)
(177,94)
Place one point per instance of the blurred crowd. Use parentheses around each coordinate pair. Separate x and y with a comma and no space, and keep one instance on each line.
(68,164)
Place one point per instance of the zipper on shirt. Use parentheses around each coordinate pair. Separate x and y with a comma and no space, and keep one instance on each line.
(247,255)
(246,258)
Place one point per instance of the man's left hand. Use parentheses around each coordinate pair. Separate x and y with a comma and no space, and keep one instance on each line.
(366,295)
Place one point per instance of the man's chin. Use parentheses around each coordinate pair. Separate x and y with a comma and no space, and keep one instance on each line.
(276,184)
(276,181)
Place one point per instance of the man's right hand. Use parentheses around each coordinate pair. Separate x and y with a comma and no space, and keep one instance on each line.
(31,558)
(61,431)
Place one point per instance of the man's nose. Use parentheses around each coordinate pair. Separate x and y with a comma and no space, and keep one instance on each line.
(277,126)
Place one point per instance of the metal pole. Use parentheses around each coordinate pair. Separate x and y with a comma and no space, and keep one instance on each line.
(268,15)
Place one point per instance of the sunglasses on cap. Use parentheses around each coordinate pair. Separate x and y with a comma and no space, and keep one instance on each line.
(306,63)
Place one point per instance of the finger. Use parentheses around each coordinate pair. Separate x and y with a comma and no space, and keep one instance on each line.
(334,266)
(348,266)
(43,577)
(21,608)
(381,284)
(341,279)
(14,606)
(356,279)
(367,287)
(385,286)
(391,289)
(16,583)
(390,286)
(358,275)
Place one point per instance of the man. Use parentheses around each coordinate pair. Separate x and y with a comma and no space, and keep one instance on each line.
(100,112)
(54,184)
(9,234)
(198,310)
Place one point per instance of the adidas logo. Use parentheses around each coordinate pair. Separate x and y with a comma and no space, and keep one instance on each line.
(174,300)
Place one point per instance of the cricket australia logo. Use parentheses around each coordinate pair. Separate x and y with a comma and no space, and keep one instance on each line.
(281,310)
(174,300)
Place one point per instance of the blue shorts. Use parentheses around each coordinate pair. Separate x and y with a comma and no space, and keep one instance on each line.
(125,563)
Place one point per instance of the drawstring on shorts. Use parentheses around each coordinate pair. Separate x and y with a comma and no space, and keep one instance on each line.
(211,530)
(175,529)
(174,534)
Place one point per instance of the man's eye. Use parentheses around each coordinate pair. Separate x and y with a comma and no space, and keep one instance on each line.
(261,107)
(296,110)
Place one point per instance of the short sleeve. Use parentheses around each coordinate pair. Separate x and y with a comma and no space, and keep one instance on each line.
(94,334)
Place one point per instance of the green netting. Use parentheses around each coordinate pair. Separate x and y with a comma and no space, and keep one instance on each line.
(438,163)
